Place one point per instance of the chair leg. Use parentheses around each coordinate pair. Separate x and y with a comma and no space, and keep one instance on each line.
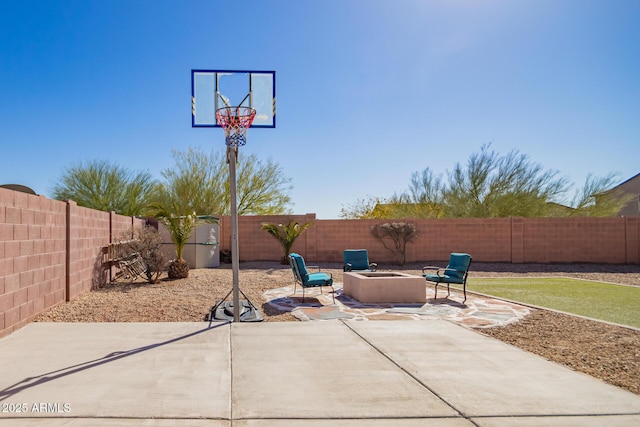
(464,290)
(435,296)
(448,291)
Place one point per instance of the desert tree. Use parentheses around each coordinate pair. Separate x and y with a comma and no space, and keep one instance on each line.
(491,184)
(199,182)
(494,185)
(105,186)
(365,208)
(424,198)
(195,184)
(262,187)
(597,199)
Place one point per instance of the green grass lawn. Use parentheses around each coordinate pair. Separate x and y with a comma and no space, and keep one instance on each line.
(604,301)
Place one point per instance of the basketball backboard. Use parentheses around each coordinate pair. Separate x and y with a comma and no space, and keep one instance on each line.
(214,89)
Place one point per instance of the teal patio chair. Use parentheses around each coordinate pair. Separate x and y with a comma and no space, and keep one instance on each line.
(309,280)
(358,260)
(455,272)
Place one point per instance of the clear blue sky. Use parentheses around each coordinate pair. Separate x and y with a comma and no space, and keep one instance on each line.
(368,91)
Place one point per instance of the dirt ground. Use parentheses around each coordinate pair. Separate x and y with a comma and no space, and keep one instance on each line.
(608,352)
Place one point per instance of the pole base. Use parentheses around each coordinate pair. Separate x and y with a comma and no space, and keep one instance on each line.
(225,310)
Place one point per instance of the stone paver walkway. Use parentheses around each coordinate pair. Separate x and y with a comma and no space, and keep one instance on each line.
(476,312)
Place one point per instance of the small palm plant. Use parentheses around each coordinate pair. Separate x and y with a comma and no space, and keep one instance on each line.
(180,227)
(286,234)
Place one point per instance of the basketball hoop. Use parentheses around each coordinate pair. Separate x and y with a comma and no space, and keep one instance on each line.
(211,89)
(235,121)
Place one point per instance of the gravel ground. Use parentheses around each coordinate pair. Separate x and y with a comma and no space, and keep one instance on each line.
(610,353)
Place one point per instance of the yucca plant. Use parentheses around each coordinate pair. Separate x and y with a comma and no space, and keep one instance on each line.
(286,234)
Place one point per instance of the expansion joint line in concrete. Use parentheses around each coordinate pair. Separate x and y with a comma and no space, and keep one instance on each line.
(230,373)
(416,379)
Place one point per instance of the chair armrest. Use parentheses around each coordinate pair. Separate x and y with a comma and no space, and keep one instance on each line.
(373,266)
(348,267)
(431,268)
(313,266)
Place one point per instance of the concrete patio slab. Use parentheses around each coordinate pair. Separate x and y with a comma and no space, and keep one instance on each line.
(133,370)
(574,421)
(415,422)
(291,374)
(320,370)
(481,376)
(112,422)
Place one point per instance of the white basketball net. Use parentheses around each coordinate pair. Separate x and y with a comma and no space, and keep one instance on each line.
(235,121)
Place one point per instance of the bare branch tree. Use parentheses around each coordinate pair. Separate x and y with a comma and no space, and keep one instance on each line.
(395,236)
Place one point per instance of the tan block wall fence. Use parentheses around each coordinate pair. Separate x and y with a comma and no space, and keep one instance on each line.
(50,251)
(511,240)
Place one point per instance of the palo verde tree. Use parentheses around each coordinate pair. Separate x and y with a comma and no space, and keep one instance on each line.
(195,184)
(489,185)
(104,186)
(262,188)
(596,199)
(494,185)
(199,182)
(424,199)
(366,208)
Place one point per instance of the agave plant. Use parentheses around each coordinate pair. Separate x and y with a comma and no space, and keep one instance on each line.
(286,234)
